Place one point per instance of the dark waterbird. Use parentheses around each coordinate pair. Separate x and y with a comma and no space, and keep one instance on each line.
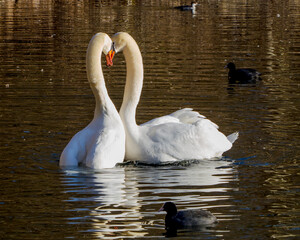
(186,218)
(191,7)
(242,75)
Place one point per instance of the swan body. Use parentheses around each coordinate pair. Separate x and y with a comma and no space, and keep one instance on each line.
(101,144)
(182,135)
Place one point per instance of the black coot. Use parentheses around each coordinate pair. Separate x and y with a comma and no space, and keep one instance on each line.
(242,75)
(186,218)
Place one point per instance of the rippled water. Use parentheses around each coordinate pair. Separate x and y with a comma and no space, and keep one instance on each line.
(46,99)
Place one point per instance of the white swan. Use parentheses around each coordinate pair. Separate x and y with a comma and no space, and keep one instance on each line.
(101,144)
(182,135)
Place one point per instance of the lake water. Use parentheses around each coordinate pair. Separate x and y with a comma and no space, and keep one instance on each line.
(45,99)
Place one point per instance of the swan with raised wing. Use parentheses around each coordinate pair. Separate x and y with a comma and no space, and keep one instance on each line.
(182,135)
(101,144)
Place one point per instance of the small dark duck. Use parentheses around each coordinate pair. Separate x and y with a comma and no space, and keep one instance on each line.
(242,75)
(191,7)
(186,218)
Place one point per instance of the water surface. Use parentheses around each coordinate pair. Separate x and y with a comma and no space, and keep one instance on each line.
(46,99)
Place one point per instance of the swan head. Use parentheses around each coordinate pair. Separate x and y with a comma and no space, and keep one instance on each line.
(119,42)
(99,43)
(106,45)
(103,39)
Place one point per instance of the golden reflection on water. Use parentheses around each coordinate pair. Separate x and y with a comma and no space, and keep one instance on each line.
(118,198)
(45,98)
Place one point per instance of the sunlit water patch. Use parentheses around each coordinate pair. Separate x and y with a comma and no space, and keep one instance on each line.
(126,199)
(45,99)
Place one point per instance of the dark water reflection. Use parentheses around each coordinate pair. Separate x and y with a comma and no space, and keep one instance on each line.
(45,99)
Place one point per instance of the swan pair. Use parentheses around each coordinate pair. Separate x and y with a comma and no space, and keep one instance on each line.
(182,135)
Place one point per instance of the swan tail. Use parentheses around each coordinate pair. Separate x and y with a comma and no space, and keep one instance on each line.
(233,136)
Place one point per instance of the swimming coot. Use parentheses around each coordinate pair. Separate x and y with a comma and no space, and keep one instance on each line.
(186,218)
(191,7)
(242,75)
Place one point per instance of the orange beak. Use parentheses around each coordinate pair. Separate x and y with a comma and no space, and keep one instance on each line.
(109,58)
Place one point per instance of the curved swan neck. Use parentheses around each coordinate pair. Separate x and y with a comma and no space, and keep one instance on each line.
(95,74)
(134,80)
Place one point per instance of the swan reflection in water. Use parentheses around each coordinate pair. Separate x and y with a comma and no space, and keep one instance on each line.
(117,199)
(109,196)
